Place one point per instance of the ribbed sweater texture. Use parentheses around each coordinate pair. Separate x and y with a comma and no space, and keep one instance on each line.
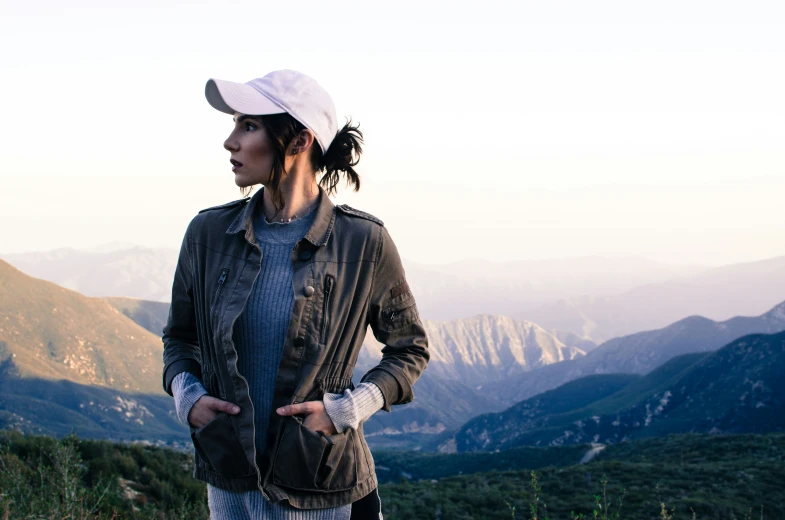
(259,335)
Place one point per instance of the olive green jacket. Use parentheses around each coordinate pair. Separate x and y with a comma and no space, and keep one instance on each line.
(347,275)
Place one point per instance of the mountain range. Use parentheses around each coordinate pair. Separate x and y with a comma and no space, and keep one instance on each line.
(639,353)
(740,388)
(480,364)
(52,333)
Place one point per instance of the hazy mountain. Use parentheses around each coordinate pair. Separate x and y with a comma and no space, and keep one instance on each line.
(50,332)
(138,272)
(737,389)
(719,293)
(639,353)
(469,287)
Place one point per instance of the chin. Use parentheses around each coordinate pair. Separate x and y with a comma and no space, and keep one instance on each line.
(242,182)
(247,181)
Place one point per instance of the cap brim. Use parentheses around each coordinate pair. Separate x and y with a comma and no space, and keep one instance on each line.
(231,97)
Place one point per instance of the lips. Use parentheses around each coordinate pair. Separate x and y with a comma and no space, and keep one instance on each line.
(236,164)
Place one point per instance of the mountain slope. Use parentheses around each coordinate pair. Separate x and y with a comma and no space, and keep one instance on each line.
(50,332)
(40,406)
(737,389)
(495,431)
(639,353)
(147,314)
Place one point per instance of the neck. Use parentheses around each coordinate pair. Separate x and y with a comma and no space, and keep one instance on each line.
(298,198)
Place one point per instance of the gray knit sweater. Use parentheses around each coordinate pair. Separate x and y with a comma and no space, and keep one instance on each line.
(259,335)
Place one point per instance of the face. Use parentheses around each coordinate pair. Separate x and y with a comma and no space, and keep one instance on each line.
(252,152)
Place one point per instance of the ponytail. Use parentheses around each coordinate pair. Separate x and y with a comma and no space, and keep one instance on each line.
(341,157)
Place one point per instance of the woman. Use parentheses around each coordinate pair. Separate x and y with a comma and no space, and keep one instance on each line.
(271,300)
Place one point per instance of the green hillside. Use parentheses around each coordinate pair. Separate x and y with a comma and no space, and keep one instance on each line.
(720,477)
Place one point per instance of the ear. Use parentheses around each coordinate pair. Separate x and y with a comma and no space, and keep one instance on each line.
(303,141)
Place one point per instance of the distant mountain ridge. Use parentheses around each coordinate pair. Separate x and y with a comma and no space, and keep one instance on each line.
(53,333)
(466,288)
(738,389)
(465,354)
(137,272)
(720,293)
(639,353)
(485,348)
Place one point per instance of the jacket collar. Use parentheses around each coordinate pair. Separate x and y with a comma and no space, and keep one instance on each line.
(317,234)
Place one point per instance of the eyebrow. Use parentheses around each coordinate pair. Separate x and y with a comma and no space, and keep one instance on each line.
(244,117)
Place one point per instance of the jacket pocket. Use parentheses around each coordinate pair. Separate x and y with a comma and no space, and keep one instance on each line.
(217,444)
(307,460)
(398,317)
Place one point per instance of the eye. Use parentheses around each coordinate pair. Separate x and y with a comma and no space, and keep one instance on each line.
(250,126)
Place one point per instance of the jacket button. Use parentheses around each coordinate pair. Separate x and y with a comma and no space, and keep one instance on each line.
(299,342)
(305,254)
(308,291)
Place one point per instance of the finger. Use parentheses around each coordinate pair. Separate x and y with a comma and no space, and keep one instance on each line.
(224,406)
(295,409)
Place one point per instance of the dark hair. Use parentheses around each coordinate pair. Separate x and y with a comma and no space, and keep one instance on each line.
(341,157)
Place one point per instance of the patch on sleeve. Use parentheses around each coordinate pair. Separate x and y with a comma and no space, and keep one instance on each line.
(399,290)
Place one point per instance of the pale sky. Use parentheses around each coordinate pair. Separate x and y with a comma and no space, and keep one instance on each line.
(494,130)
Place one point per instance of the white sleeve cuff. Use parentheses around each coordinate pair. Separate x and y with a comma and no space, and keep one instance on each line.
(186,389)
(349,409)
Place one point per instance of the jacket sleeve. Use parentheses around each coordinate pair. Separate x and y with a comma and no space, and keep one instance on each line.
(181,345)
(395,322)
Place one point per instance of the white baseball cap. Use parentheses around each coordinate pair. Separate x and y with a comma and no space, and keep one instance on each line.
(277,92)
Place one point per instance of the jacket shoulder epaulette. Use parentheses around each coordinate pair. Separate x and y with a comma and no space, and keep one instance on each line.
(357,213)
(237,202)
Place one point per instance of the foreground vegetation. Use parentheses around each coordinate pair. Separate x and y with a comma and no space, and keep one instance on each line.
(69,479)
(717,477)
(676,477)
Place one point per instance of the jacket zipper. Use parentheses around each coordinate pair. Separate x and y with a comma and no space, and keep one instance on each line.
(253,412)
(217,298)
(328,287)
(222,279)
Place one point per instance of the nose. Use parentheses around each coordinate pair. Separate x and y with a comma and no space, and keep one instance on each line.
(231,144)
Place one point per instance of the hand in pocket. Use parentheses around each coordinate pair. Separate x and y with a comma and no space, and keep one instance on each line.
(316,417)
(206,409)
